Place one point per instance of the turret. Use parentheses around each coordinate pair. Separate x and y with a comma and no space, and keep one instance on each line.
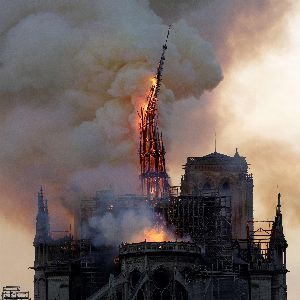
(277,250)
(278,243)
(41,239)
(42,233)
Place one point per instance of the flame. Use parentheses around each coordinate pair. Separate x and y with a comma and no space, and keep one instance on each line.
(153,81)
(157,234)
(141,104)
(153,86)
(145,107)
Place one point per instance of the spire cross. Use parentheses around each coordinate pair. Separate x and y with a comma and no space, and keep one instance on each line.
(215,142)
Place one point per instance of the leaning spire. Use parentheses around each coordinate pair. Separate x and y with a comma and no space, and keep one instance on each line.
(154,178)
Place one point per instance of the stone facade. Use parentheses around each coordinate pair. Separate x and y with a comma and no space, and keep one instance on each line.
(228,176)
(170,270)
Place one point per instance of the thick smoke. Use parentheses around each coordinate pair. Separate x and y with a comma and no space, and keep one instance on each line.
(72,77)
(114,229)
(73,72)
(239,30)
(131,225)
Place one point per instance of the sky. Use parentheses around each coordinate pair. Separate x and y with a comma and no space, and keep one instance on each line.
(68,104)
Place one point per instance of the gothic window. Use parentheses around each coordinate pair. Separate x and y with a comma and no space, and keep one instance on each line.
(161,280)
(165,288)
(224,187)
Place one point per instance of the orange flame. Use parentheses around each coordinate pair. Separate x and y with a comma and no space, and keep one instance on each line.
(157,234)
(153,81)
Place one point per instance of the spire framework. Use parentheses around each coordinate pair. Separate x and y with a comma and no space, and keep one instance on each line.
(154,177)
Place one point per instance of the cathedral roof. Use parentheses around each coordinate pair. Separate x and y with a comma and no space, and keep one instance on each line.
(216,158)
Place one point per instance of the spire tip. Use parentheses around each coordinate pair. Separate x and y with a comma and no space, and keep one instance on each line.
(278,209)
(215,142)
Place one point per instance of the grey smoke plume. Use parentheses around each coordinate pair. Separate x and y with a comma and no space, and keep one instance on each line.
(240,32)
(70,69)
(72,76)
(128,225)
(112,230)
(244,31)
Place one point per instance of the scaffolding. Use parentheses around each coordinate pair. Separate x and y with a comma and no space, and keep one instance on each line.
(256,248)
(260,236)
(205,218)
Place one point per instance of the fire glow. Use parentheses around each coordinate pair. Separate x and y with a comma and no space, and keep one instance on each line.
(157,234)
(153,175)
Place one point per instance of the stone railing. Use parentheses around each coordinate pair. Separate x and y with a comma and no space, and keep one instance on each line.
(146,247)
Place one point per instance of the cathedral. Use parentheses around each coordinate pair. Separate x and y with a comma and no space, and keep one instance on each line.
(229,256)
(217,250)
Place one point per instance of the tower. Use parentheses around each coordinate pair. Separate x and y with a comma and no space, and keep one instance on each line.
(226,176)
(42,226)
(56,263)
(42,238)
(154,177)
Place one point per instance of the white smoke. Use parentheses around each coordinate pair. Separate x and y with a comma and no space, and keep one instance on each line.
(126,226)
(130,225)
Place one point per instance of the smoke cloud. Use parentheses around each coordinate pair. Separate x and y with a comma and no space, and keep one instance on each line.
(113,228)
(238,30)
(73,74)
(72,77)
(241,32)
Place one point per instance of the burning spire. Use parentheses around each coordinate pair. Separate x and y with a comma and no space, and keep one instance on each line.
(154,177)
